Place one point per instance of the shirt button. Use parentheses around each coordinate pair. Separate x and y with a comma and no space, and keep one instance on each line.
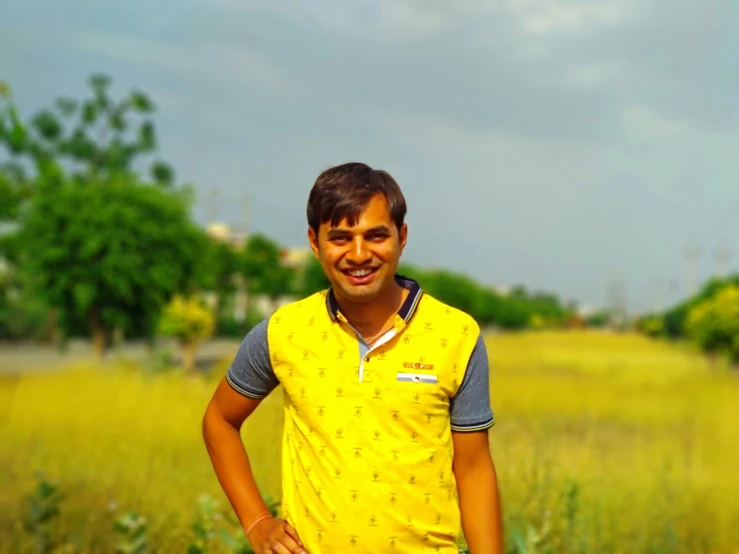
(366,359)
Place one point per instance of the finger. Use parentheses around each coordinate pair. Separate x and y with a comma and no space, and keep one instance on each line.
(290,530)
(277,548)
(290,546)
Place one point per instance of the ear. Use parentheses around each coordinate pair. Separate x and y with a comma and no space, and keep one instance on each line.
(403,236)
(313,240)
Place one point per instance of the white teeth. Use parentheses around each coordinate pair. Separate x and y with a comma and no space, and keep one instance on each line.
(360,273)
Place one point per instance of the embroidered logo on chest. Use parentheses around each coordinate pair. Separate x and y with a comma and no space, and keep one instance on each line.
(417,365)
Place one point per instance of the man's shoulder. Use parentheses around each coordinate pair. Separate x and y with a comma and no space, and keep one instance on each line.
(434,308)
(301,308)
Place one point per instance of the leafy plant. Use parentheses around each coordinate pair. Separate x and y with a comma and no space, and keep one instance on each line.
(43,510)
(190,322)
(204,526)
(233,536)
(131,534)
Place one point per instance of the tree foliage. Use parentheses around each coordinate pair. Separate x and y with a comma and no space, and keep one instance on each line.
(714,323)
(672,321)
(189,321)
(312,278)
(111,256)
(264,271)
(221,266)
(90,140)
(516,310)
(186,319)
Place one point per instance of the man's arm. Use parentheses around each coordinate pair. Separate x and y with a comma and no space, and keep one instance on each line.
(479,500)
(249,379)
(222,423)
(477,484)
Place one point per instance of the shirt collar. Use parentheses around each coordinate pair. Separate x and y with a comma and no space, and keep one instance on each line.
(405,312)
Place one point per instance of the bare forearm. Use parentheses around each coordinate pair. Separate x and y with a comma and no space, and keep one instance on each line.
(231,464)
(480,507)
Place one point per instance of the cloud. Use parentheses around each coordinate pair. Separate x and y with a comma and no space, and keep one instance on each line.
(395,20)
(213,60)
(547,16)
(644,123)
(597,74)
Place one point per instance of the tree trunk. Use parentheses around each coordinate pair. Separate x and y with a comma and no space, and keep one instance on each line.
(188,357)
(98,343)
(101,335)
(50,327)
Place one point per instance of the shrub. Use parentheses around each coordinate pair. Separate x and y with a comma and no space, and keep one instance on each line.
(189,321)
(714,323)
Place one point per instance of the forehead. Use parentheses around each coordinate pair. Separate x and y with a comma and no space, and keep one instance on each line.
(375,213)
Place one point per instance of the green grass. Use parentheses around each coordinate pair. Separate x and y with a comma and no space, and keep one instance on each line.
(603,443)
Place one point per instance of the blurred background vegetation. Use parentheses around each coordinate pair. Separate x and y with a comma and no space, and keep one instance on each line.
(99,238)
(617,433)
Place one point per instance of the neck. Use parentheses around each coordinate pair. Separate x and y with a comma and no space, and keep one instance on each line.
(372,317)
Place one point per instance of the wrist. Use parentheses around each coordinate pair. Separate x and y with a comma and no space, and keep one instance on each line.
(254,523)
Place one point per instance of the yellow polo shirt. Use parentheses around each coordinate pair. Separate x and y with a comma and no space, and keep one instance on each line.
(367,444)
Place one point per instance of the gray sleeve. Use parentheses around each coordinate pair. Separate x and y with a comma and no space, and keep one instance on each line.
(251,371)
(470,407)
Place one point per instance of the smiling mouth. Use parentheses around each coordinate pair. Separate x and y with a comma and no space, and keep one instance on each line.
(359,273)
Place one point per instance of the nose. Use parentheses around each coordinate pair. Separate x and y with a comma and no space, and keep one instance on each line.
(358,254)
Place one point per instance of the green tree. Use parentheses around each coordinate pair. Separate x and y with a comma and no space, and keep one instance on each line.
(90,140)
(22,314)
(264,272)
(15,188)
(485,305)
(714,323)
(87,141)
(598,319)
(13,192)
(312,279)
(222,266)
(456,290)
(111,256)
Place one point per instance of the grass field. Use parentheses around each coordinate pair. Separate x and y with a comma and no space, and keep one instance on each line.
(603,443)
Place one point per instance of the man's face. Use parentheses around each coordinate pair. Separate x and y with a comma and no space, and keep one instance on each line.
(361,261)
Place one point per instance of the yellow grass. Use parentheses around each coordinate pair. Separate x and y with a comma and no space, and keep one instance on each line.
(644,436)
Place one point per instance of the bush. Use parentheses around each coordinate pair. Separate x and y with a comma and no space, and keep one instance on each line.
(189,321)
(714,324)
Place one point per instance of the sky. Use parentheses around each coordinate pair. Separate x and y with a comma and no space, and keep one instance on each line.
(573,147)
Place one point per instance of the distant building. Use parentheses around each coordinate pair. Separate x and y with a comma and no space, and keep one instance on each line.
(223,232)
(502,290)
(587,310)
(295,257)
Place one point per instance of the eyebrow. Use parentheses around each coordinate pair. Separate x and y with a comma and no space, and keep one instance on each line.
(337,232)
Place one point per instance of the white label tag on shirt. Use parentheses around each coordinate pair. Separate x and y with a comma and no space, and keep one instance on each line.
(417,378)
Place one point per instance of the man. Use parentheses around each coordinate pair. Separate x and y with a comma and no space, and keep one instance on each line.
(385,445)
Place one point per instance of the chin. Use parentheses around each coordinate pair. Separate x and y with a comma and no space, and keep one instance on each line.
(360,294)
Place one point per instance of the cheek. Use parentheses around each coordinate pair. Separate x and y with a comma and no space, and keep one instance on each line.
(330,257)
(388,253)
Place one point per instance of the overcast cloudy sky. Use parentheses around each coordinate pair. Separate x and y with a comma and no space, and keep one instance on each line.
(560,144)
